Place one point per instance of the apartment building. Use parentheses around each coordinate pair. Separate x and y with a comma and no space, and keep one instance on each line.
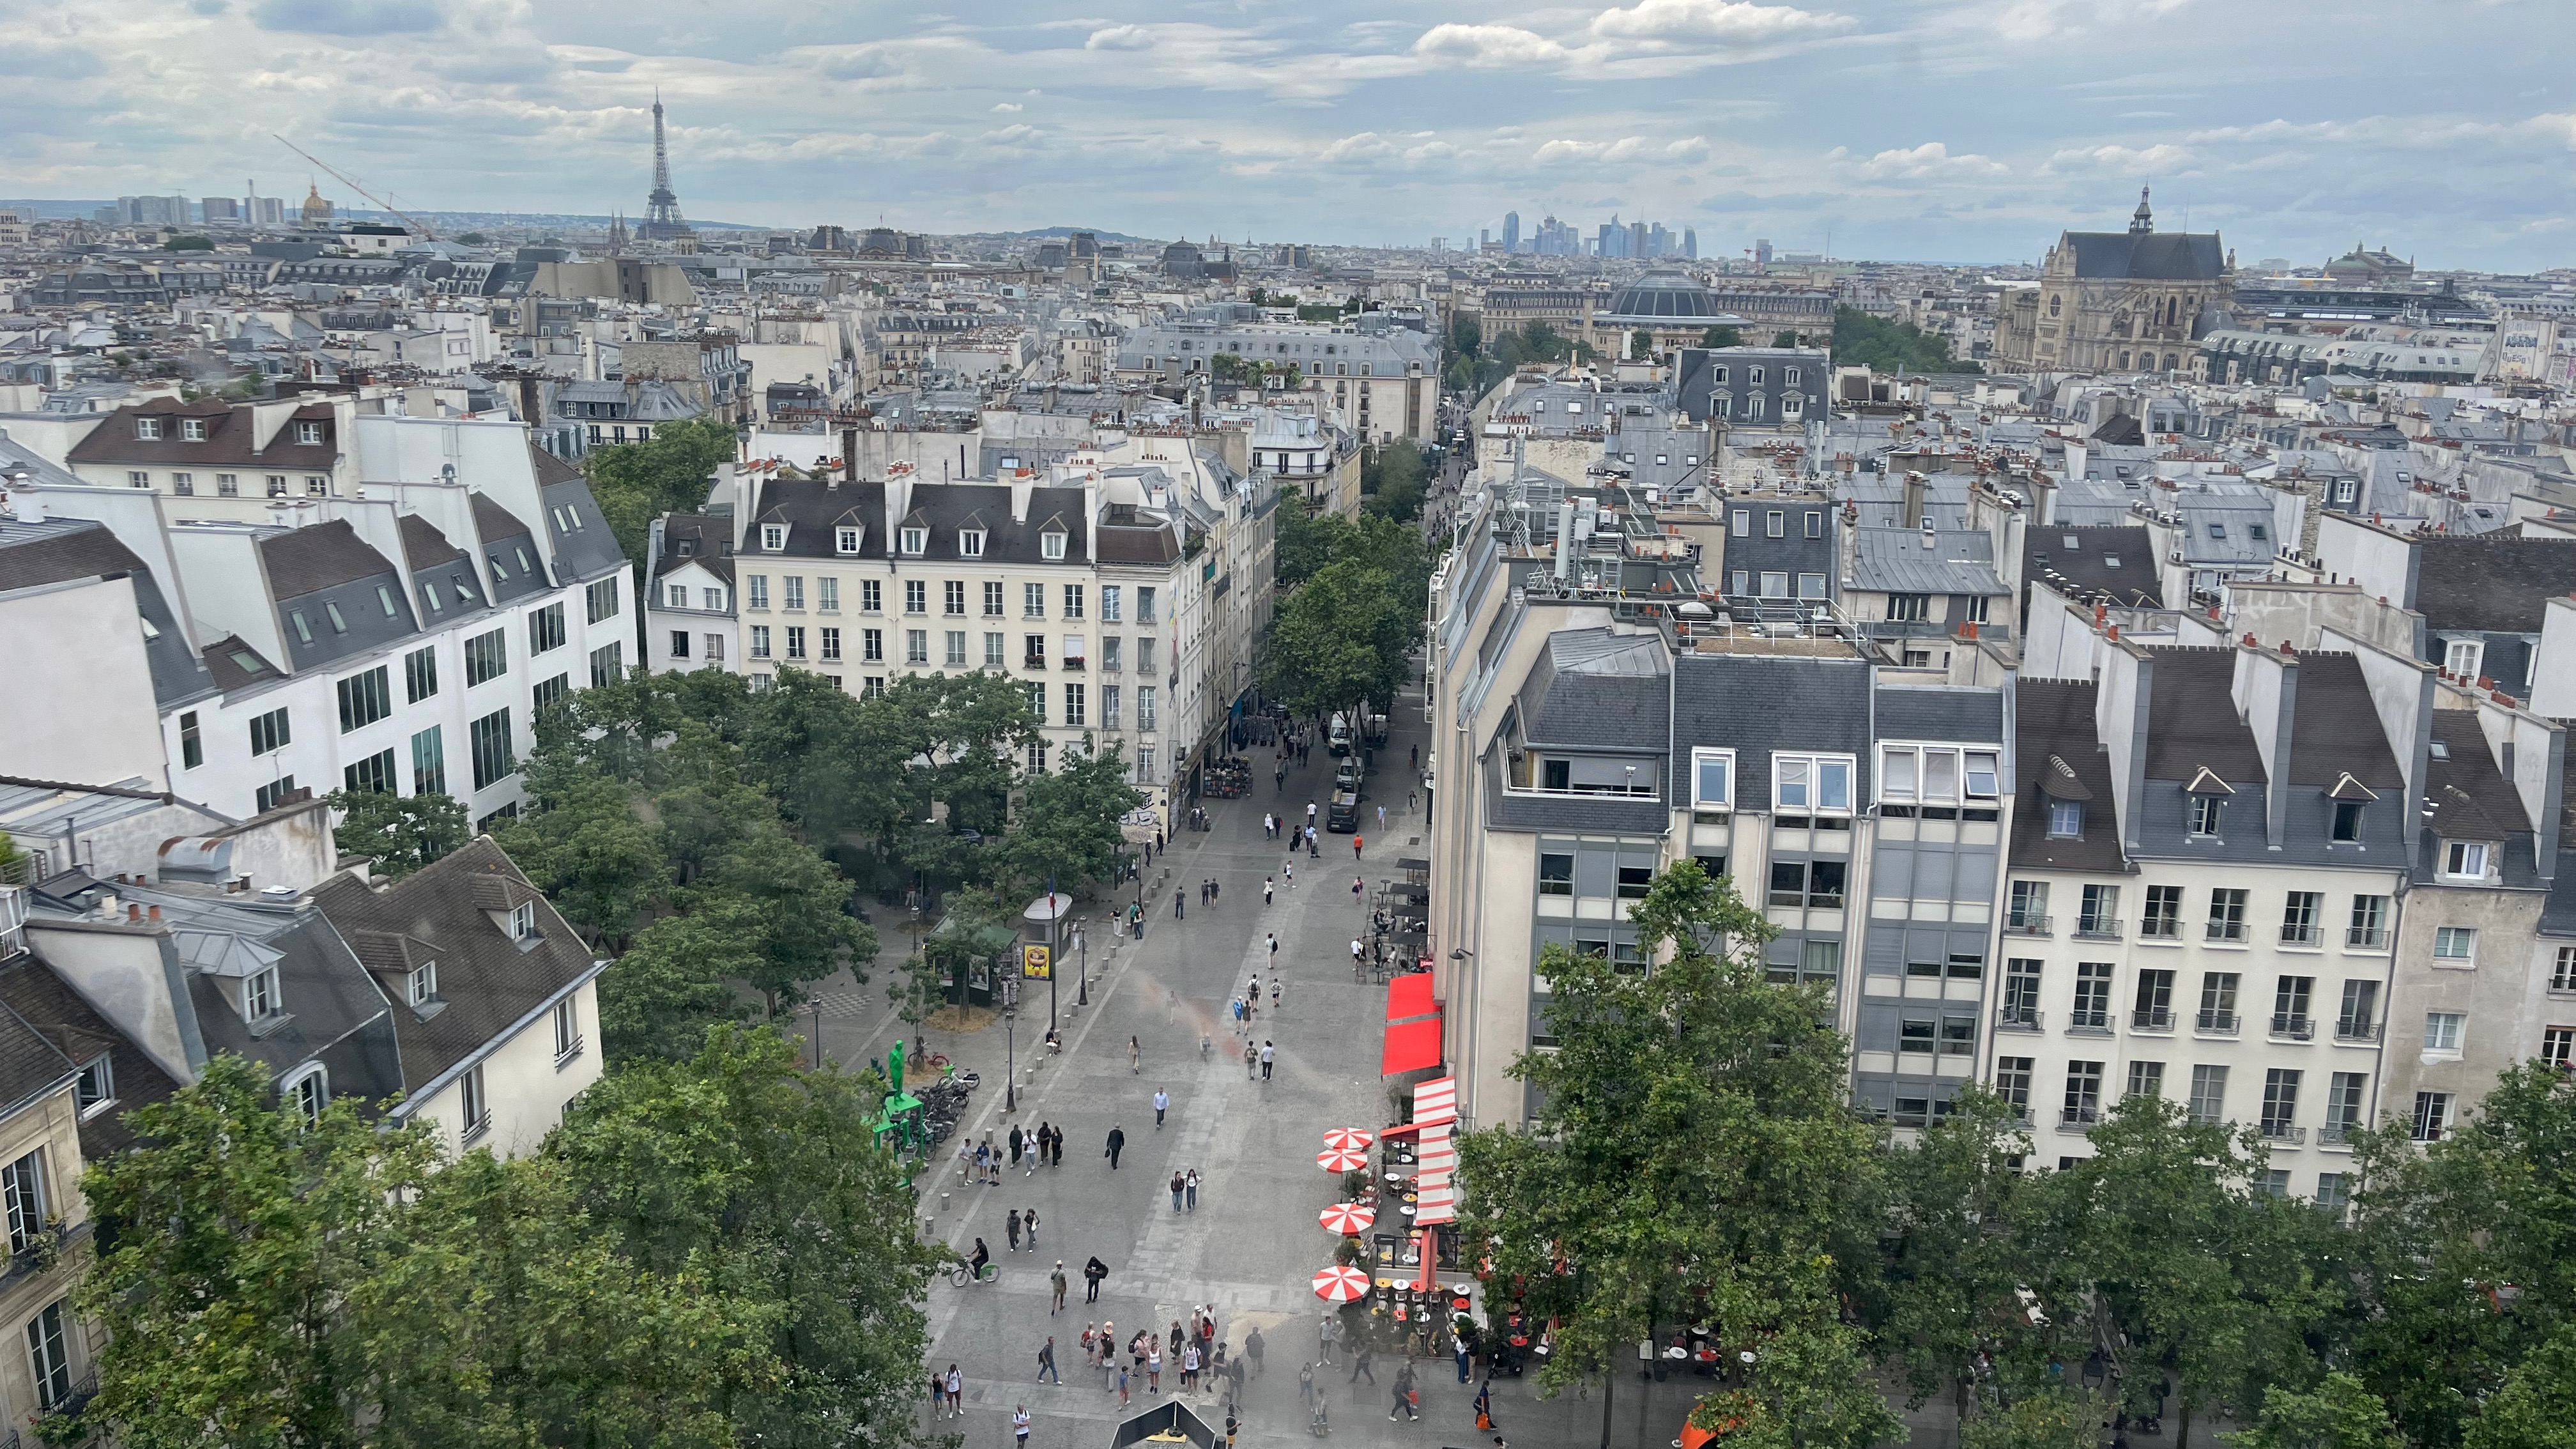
(690,614)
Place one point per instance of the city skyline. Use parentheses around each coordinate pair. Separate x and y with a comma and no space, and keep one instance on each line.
(1888,128)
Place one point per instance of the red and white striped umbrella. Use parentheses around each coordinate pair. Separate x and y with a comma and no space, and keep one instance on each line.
(1351,1138)
(1348,1218)
(1341,1159)
(1341,1285)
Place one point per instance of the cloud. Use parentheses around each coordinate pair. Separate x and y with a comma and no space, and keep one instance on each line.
(1488,47)
(1728,22)
(347,17)
(1120,37)
(1008,108)
(2163,159)
(1928,161)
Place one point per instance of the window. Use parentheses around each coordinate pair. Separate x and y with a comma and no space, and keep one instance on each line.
(2217,1002)
(22,1184)
(2332,1196)
(487,657)
(956,641)
(2290,997)
(871,596)
(2028,910)
(2369,927)
(269,732)
(773,537)
(2146,1079)
(1811,586)
(1775,524)
(2227,914)
(952,596)
(273,794)
(1111,598)
(2083,1093)
(2208,1095)
(1740,525)
(1144,717)
(420,674)
(1811,783)
(1909,607)
(827,594)
(1033,650)
(795,641)
(970,543)
(2464,859)
(567,1016)
(607,664)
(1075,707)
(548,691)
(2205,810)
(832,646)
(259,996)
(2101,913)
(760,641)
(184,484)
(2347,822)
(1555,873)
(2557,1046)
(2065,820)
(276,485)
(365,698)
(2432,1116)
(2021,995)
(1145,656)
(2462,658)
(308,434)
(421,987)
(488,740)
(2562,970)
(2455,946)
(916,646)
(2154,1008)
(715,648)
(601,599)
(2092,997)
(546,629)
(1073,601)
(523,920)
(1712,779)
(477,1106)
(2358,1017)
(228,485)
(2012,1081)
(1032,601)
(872,645)
(2302,918)
(1051,545)
(1800,883)
(192,745)
(147,429)
(428,763)
(1036,693)
(49,1358)
(845,540)
(96,1085)
(1110,701)
(993,598)
(372,775)
(138,478)
(2343,1105)
(2444,1031)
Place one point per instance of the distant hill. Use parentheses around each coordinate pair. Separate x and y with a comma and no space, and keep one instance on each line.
(1102,233)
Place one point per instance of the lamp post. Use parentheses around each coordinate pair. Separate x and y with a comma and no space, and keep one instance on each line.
(1010,1050)
(1082,948)
(815,1005)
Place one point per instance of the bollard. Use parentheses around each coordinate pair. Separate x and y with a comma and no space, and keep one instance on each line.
(929,1227)
(943,1202)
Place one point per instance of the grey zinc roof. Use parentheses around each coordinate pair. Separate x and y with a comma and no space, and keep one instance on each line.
(2336,730)
(2191,721)
(2465,796)
(1894,561)
(39,1000)
(587,550)
(424,547)
(1755,704)
(2119,561)
(1598,690)
(2053,724)
(2494,583)
(1964,713)
(2153,256)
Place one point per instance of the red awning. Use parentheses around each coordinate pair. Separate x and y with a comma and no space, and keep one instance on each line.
(1411,1046)
(1409,996)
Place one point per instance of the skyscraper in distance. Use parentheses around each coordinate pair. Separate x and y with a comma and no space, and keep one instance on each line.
(1511,231)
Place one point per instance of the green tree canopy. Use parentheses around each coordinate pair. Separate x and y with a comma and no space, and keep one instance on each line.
(398,834)
(1722,336)
(666,473)
(1863,339)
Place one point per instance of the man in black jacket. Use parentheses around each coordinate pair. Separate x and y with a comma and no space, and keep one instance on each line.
(1092,1273)
(1117,1143)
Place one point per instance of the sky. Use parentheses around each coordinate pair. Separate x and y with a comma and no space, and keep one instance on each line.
(1933,130)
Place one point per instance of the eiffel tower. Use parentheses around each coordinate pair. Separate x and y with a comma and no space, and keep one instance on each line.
(662,221)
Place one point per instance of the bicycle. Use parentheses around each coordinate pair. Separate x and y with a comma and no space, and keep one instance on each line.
(959,1274)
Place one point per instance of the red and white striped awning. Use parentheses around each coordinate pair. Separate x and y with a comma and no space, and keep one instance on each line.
(1435,1101)
(1436,1159)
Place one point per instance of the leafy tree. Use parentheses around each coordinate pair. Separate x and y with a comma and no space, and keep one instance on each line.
(1862,339)
(1952,1263)
(1401,476)
(186,243)
(1694,1152)
(1331,644)
(659,998)
(1722,336)
(1784,338)
(2342,1414)
(666,473)
(590,850)
(2043,1419)
(767,1179)
(2536,1406)
(1641,344)
(239,1232)
(789,901)
(1068,827)
(398,834)
(473,238)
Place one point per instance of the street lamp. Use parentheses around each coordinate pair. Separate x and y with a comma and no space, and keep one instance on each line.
(1010,1051)
(1082,947)
(815,1005)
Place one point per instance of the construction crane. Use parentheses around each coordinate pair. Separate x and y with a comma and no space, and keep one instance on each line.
(345,179)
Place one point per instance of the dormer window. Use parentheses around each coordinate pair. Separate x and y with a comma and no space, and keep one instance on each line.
(773,537)
(523,921)
(147,429)
(970,544)
(1051,546)
(2065,820)
(421,987)
(916,542)
(308,434)
(259,996)
(2347,822)
(192,429)
(2464,859)
(845,540)
(2205,813)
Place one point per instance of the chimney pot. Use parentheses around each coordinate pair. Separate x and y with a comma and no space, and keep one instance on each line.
(153,914)
(2249,640)
(2286,649)
(133,913)
(2115,634)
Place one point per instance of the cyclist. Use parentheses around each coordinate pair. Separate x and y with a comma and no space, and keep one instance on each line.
(975,1264)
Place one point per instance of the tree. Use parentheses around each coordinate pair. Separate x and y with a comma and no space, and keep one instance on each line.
(1694,1153)
(398,834)
(1401,473)
(473,238)
(1952,1262)
(2043,1419)
(590,850)
(2342,1414)
(1862,339)
(1641,345)
(1784,338)
(1328,647)
(674,982)
(791,904)
(239,1230)
(186,243)
(1722,336)
(2536,1406)
(666,473)
(1068,829)
(767,1179)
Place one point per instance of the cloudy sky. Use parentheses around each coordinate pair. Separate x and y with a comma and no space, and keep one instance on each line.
(1966,130)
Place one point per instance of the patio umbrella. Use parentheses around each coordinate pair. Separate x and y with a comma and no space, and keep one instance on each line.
(1341,1159)
(1341,1285)
(1352,1138)
(1348,1218)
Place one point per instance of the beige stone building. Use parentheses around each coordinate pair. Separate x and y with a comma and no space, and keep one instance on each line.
(2109,301)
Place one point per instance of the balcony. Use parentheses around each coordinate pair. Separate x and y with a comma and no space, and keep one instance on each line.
(2335,1134)
(2215,1023)
(2160,928)
(2088,1022)
(2282,1134)
(2152,1018)
(2293,1026)
(1033,661)
(2098,928)
(2016,1018)
(2350,1030)
(1072,661)
(83,1389)
(2230,931)
(2078,1119)
(2366,938)
(2022,923)
(2294,935)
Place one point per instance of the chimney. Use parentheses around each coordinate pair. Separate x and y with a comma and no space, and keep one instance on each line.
(1913,504)
(153,915)
(850,454)
(133,914)
(27,505)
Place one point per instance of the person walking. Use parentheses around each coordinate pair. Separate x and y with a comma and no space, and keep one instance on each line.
(1154,1367)
(1216,890)
(938,1395)
(1275,984)
(1037,1149)
(1252,1350)
(1135,1056)
(1251,1061)
(1055,1281)
(983,1159)
(1122,1386)
(1288,872)
(1059,1147)
(1011,1229)
(1176,1191)
(1310,819)
(1326,1332)
(1485,1408)
(1358,884)
(1191,1186)
(1269,1054)
(1020,1426)
(1357,841)
(1046,1362)
(1266,889)
(1029,1221)
(1162,1101)
(1305,1383)
(1273,941)
(1381,817)
(1178,914)
(1189,1368)
(1360,1365)
(1404,1396)
(956,1392)
(1092,1273)
(1117,1144)
(1017,1139)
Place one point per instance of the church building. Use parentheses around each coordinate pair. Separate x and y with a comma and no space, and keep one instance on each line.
(2109,301)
